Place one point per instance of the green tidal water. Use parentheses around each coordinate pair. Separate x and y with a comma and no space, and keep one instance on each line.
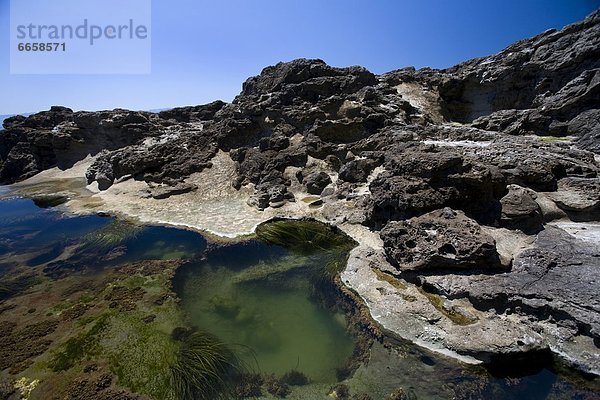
(267,309)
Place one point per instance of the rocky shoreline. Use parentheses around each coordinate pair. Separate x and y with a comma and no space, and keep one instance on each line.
(473,191)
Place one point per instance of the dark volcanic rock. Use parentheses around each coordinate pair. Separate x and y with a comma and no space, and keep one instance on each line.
(421,179)
(316,182)
(439,240)
(204,112)
(547,85)
(587,126)
(578,195)
(552,77)
(60,137)
(171,156)
(282,75)
(520,210)
(357,170)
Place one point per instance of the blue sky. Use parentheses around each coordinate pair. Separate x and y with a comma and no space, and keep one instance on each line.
(204,50)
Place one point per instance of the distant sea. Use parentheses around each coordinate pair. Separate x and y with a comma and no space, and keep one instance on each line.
(3,117)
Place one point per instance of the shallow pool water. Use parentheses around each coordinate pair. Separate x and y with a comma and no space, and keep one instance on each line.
(264,300)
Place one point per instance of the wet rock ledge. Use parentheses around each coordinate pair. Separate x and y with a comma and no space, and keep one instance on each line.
(474,190)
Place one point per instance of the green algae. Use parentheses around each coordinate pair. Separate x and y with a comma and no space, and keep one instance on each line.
(136,281)
(304,236)
(140,355)
(396,283)
(555,138)
(84,345)
(112,235)
(87,298)
(205,368)
(438,302)
(60,307)
(160,250)
(270,270)
(138,350)
(385,277)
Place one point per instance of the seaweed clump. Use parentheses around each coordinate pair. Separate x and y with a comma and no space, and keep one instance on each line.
(276,387)
(295,378)
(304,236)
(204,368)
(112,235)
(308,237)
(249,385)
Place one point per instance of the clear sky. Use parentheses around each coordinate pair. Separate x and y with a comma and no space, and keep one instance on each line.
(204,50)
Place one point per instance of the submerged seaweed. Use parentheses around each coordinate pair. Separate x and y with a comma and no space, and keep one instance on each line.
(304,236)
(309,237)
(112,235)
(205,368)
(295,378)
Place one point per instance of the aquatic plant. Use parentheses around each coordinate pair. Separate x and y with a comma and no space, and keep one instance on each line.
(304,236)
(362,396)
(204,368)
(272,270)
(111,235)
(48,255)
(276,387)
(309,237)
(294,378)
(79,347)
(248,385)
(554,138)
(335,262)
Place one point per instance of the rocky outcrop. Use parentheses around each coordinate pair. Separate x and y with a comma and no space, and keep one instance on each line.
(452,327)
(520,210)
(61,137)
(534,86)
(316,182)
(554,283)
(546,302)
(578,196)
(443,239)
(420,178)
(458,170)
